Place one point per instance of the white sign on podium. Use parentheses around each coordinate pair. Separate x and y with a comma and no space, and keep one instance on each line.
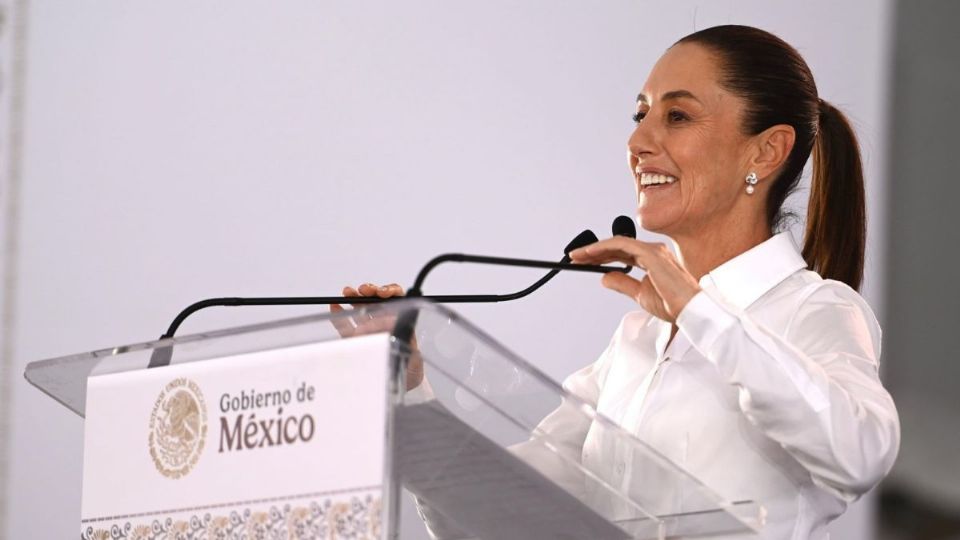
(180,437)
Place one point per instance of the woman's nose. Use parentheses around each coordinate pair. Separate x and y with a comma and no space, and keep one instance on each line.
(641,141)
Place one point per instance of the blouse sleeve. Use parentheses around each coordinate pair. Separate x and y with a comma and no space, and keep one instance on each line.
(815,389)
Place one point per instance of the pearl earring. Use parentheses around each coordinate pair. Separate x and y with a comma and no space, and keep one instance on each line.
(751,181)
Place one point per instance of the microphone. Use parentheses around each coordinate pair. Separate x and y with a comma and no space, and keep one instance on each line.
(161,356)
(585,238)
(622,226)
(406,323)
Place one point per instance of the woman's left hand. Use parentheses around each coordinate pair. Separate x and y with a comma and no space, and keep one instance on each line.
(666,288)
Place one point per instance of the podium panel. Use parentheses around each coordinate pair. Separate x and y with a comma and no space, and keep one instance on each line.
(470,443)
(245,446)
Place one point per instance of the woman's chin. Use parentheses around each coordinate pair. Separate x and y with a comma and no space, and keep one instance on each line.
(650,220)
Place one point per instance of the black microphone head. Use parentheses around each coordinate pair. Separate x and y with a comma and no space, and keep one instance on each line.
(624,226)
(585,238)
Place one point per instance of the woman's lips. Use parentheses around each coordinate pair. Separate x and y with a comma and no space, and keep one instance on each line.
(654,180)
(657,187)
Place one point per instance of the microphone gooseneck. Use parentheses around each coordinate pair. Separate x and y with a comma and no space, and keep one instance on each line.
(504,261)
(584,238)
(161,355)
(622,226)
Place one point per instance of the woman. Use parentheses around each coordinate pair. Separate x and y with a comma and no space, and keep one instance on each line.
(752,365)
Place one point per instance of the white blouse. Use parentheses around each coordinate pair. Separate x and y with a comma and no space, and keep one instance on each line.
(768,392)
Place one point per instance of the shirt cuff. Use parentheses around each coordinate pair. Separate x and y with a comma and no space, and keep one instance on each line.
(703,320)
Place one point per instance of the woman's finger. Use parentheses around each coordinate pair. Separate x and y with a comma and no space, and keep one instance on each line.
(359,291)
(640,291)
(350,291)
(621,249)
(650,300)
(607,257)
(367,289)
(388,291)
(343,325)
(622,283)
(597,251)
(618,248)
(377,324)
(616,243)
(360,321)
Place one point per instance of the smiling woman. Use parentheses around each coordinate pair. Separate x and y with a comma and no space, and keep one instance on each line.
(752,364)
(732,105)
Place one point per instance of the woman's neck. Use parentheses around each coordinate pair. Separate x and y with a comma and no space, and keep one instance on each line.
(700,253)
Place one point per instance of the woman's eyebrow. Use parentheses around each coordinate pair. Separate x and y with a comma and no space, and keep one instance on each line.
(673,94)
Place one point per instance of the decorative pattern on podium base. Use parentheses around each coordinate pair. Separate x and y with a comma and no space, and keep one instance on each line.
(310,517)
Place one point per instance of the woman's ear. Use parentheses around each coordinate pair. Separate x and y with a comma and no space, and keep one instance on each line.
(773,148)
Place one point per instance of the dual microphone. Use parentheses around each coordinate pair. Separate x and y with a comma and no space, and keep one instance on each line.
(622,226)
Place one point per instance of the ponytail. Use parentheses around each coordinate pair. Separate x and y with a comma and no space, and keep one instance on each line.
(778,88)
(836,233)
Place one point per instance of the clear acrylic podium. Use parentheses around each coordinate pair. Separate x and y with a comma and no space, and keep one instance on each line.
(470,448)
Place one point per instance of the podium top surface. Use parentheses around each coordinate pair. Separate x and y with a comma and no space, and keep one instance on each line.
(65,378)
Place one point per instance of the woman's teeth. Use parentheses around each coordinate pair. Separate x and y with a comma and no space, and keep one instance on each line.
(647,179)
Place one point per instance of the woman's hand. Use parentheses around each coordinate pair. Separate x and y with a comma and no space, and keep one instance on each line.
(666,288)
(373,323)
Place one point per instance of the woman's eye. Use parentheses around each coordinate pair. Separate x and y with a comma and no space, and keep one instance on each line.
(672,116)
(676,116)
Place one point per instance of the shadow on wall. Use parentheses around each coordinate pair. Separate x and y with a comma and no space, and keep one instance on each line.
(921,498)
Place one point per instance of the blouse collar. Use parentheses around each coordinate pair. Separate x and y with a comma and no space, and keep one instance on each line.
(748,276)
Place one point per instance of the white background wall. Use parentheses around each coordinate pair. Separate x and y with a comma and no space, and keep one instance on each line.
(181,150)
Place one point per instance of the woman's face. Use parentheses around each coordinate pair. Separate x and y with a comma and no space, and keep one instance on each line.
(689,133)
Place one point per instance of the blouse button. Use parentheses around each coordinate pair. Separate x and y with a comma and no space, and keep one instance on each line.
(620,468)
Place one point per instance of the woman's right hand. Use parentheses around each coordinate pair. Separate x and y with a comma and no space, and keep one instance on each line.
(374,323)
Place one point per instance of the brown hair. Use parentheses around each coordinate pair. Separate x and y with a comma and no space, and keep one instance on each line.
(778,87)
